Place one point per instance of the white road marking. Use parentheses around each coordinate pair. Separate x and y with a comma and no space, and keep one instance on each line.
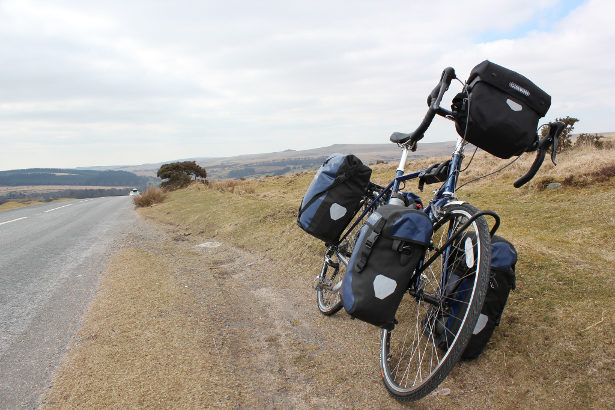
(63,206)
(13,220)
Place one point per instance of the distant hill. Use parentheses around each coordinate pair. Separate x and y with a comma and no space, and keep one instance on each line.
(278,163)
(71,177)
(44,184)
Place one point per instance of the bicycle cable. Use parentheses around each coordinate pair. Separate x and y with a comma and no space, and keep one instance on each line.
(465,131)
(471,158)
(494,172)
(491,173)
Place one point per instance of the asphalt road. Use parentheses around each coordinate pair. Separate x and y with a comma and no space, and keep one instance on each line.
(51,258)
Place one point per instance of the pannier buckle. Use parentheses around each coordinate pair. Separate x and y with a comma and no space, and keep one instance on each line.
(371,239)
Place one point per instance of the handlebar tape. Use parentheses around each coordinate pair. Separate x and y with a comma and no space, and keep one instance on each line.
(555,129)
(540,157)
(433,100)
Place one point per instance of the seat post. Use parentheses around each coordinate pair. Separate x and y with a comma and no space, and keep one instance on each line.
(400,169)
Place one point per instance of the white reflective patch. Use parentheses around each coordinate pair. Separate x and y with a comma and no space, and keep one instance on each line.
(469,252)
(337,211)
(480,324)
(384,286)
(513,105)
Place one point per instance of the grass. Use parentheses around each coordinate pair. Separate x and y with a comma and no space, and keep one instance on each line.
(7,206)
(148,341)
(556,343)
(138,346)
(152,195)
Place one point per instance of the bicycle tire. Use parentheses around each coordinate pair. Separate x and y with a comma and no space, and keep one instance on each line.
(328,297)
(412,363)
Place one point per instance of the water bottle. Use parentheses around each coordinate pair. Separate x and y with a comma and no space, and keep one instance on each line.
(397,199)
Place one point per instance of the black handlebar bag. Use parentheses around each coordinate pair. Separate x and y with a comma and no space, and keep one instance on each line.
(500,109)
(333,197)
(389,247)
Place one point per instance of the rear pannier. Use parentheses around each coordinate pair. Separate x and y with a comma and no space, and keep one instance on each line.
(390,245)
(500,109)
(333,197)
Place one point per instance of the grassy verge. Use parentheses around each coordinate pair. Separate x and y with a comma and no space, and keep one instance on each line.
(145,342)
(555,346)
(7,206)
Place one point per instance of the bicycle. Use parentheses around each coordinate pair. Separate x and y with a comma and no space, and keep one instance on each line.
(413,361)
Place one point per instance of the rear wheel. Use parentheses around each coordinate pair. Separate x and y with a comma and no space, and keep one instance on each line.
(329,282)
(428,340)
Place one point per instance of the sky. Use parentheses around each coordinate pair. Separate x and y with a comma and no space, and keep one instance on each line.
(92,83)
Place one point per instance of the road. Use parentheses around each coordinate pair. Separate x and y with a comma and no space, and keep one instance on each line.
(51,258)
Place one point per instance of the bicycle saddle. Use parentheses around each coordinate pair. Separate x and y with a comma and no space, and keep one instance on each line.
(399,137)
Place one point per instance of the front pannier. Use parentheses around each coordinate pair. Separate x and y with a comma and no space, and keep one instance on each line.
(503,108)
(390,245)
(501,282)
(333,197)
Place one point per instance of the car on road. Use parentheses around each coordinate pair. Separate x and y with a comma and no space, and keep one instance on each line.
(134,192)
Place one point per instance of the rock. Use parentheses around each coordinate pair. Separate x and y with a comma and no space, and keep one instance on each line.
(209,245)
(554,185)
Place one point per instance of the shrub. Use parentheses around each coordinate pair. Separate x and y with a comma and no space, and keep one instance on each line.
(179,174)
(589,140)
(151,196)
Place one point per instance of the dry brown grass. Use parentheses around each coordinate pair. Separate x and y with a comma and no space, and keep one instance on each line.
(152,195)
(145,342)
(22,204)
(541,354)
(554,347)
(245,186)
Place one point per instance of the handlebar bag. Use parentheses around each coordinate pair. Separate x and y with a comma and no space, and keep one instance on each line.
(500,109)
(333,197)
(389,247)
(501,282)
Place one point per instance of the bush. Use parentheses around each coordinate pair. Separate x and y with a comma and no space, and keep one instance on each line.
(179,174)
(589,140)
(151,196)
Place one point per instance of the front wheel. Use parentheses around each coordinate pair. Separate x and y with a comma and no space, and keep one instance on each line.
(438,314)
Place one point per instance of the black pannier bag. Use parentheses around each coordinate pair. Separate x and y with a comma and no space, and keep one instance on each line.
(389,247)
(501,282)
(504,109)
(333,197)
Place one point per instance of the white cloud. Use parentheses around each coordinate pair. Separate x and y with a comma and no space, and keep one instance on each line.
(199,78)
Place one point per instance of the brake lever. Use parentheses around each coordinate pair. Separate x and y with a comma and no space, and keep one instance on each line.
(554,132)
(554,151)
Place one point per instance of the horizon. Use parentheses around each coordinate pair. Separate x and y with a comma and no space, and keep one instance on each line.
(607,134)
(90,167)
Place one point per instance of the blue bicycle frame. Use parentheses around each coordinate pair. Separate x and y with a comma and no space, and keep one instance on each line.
(441,197)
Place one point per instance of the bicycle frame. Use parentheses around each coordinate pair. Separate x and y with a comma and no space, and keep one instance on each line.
(441,197)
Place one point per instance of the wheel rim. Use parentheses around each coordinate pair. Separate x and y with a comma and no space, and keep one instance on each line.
(410,354)
(328,285)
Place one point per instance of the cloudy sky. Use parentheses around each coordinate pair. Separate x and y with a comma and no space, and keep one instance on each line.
(86,83)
